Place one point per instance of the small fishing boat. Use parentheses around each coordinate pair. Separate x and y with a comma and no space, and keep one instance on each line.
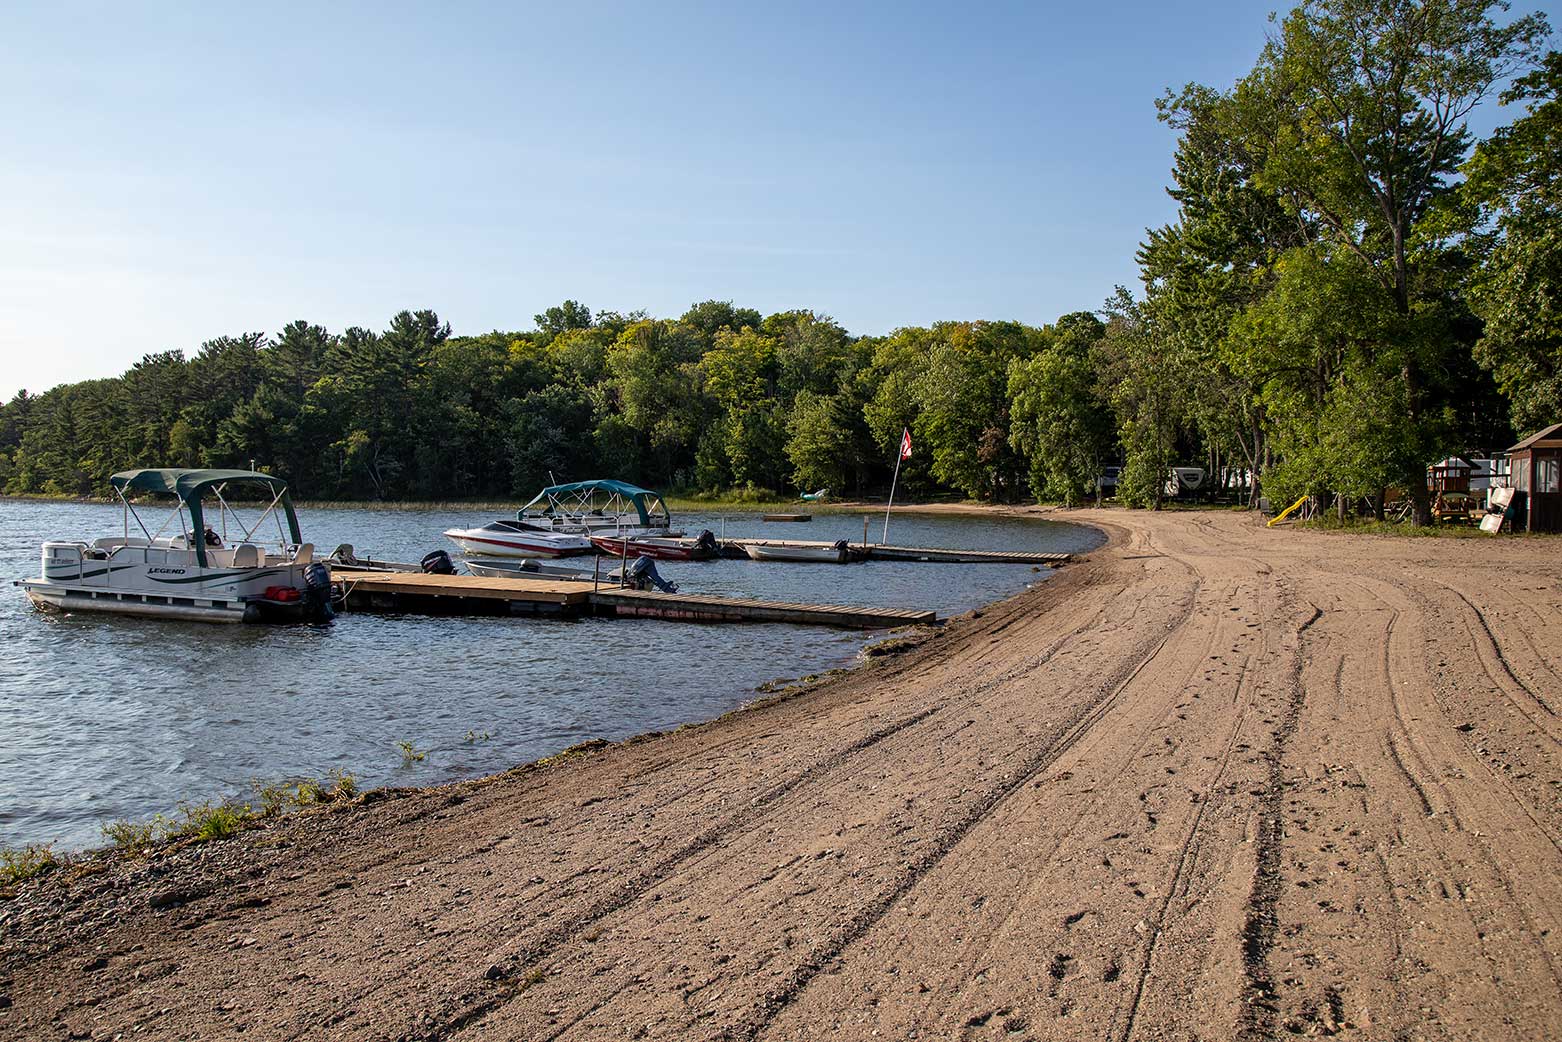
(518,539)
(640,573)
(599,507)
(834,553)
(701,548)
(226,573)
(517,567)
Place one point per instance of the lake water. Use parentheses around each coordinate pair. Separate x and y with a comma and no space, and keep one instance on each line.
(105,718)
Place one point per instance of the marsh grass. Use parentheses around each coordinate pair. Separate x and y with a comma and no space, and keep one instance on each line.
(219,819)
(19,864)
(411,754)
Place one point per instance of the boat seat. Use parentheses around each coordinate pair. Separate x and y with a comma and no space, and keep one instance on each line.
(306,553)
(247,555)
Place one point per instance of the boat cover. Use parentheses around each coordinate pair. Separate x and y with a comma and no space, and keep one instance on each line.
(566,498)
(189,485)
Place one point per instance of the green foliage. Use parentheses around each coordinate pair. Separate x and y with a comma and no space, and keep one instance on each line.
(219,819)
(409,753)
(1149,384)
(211,819)
(19,864)
(1515,180)
(1312,318)
(1356,118)
(130,835)
(1061,419)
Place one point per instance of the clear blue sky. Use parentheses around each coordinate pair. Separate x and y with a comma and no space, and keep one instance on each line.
(172,173)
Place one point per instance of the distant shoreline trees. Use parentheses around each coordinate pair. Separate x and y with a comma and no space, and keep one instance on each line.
(1352,288)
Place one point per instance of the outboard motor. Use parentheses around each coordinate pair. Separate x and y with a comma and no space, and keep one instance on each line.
(642,575)
(705,544)
(437,562)
(317,592)
(843,548)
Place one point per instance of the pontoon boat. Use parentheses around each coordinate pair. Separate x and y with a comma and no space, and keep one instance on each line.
(227,573)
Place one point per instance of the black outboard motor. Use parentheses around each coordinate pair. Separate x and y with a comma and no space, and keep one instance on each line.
(317,592)
(843,548)
(642,575)
(705,544)
(437,562)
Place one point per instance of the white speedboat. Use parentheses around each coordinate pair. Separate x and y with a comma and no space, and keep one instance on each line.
(599,508)
(825,553)
(518,539)
(232,572)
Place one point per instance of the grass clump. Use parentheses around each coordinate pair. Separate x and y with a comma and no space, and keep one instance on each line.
(1437,530)
(296,794)
(132,835)
(19,864)
(212,819)
(410,753)
(219,819)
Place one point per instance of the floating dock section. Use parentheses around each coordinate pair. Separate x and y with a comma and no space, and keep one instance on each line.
(702,608)
(881,552)
(459,594)
(476,595)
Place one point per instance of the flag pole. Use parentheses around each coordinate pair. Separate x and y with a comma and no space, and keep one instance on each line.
(899,455)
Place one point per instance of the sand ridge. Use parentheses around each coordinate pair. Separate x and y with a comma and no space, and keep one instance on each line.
(1216,781)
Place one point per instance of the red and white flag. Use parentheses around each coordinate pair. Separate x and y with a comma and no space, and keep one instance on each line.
(905,443)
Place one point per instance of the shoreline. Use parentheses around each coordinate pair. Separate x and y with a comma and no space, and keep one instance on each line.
(242,802)
(777,688)
(1108,803)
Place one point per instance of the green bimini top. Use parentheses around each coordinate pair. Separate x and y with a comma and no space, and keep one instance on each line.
(189,485)
(584,496)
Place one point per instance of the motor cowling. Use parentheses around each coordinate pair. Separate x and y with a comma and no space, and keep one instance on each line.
(438,562)
(317,592)
(706,541)
(642,575)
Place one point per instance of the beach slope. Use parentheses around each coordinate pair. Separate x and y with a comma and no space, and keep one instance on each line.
(1216,781)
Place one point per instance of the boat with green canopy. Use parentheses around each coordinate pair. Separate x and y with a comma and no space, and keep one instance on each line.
(207,561)
(597,507)
(561,519)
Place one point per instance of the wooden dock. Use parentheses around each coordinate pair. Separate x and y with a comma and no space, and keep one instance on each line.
(877,552)
(702,608)
(421,593)
(460,594)
(733,548)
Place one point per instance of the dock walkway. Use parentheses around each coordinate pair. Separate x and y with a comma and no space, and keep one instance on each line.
(884,552)
(476,595)
(705,608)
(460,594)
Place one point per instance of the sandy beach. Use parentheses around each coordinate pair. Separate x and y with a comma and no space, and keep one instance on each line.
(1213,782)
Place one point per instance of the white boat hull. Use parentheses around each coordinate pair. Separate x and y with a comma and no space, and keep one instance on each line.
(167,582)
(480,543)
(796,554)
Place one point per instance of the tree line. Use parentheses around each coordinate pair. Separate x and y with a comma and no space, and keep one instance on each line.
(1352,287)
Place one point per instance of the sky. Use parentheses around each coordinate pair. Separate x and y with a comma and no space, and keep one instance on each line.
(174,173)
